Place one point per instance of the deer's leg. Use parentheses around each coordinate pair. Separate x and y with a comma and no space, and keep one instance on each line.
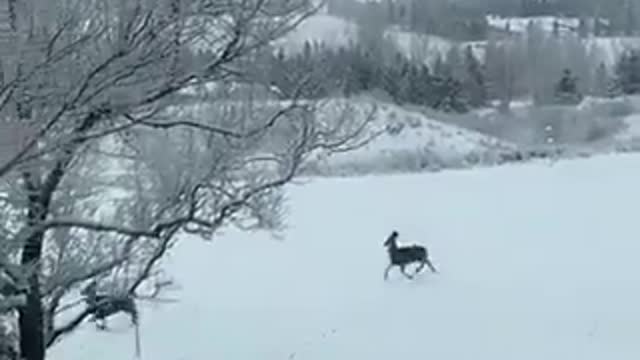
(386,272)
(430,265)
(402,268)
(131,309)
(420,267)
(101,324)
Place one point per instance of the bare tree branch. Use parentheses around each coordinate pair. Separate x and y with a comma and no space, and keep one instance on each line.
(121,163)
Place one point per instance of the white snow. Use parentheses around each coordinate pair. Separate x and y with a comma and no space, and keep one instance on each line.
(331,30)
(633,129)
(608,49)
(411,140)
(546,23)
(536,262)
(336,32)
(428,47)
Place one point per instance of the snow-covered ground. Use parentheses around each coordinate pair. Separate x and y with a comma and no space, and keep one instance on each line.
(633,128)
(536,262)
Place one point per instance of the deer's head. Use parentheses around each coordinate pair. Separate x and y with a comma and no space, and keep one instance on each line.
(391,239)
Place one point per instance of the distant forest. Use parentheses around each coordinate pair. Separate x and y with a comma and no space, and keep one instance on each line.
(465,20)
(547,67)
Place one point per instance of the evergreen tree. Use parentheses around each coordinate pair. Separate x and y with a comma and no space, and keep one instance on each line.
(450,97)
(630,25)
(455,64)
(356,69)
(566,90)
(601,81)
(439,67)
(306,51)
(628,72)
(474,82)
(583,28)
(394,79)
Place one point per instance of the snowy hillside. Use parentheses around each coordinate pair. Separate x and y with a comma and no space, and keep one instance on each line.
(429,47)
(546,23)
(593,120)
(536,262)
(322,28)
(605,49)
(336,32)
(631,131)
(608,49)
(410,141)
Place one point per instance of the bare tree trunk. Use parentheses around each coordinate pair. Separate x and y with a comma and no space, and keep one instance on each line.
(32,329)
(30,320)
(31,317)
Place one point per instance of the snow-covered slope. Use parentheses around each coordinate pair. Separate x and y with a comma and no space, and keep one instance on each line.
(605,49)
(321,28)
(410,141)
(429,47)
(608,49)
(336,32)
(546,23)
(536,262)
(631,132)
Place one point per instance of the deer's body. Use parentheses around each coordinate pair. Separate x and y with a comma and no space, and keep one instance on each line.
(103,306)
(106,306)
(402,256)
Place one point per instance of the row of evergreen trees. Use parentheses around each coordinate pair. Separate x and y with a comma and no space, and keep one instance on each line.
(456,82)
(356,69)
(628,73)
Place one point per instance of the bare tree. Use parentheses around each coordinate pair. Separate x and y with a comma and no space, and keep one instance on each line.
(126,144)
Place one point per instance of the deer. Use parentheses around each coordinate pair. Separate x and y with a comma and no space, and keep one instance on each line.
(402,256)
(102,306)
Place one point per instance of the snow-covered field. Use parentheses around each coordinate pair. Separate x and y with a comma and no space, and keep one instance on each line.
(536,261)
